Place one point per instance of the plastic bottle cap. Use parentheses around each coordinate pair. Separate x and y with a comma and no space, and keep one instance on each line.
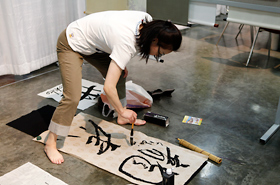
(169,171)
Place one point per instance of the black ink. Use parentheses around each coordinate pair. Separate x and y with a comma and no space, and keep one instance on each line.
(154,153)
(158,143)
(56,90)
(150,143)
(72,136)
(83,128)
(89,140)
(68,136)
(137,163)
(87,94)
(108,142)
(157,155)
(174,161)
(133,158)
(146,142)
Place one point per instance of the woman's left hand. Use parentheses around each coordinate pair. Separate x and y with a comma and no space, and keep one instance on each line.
(125,72)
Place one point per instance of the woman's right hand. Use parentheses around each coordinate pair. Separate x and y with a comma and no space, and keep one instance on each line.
(127,116)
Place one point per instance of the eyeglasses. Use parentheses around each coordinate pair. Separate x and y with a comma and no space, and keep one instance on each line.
(159,55)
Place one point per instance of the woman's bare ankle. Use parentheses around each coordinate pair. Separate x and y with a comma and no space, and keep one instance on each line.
(51,150)
(51,141)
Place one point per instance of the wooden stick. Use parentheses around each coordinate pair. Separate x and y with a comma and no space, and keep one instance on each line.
(199,150)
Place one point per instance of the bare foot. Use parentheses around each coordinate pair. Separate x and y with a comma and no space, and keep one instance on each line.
(140,122)
(122,121)
(51,150)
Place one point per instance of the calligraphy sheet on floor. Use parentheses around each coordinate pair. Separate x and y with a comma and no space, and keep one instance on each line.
(90,92)
(107,146)
(29,174)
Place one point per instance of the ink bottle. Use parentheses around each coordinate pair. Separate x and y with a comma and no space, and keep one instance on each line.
(168,177)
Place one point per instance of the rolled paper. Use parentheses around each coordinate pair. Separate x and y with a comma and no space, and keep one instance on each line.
(199,150)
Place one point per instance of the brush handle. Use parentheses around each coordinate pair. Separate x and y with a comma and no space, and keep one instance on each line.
(131,137)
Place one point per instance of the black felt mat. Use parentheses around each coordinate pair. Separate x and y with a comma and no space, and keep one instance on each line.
(35,122)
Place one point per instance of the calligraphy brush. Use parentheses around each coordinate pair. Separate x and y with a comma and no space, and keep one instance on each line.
(131,134)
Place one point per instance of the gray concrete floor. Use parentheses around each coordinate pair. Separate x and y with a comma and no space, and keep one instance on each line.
(237,104)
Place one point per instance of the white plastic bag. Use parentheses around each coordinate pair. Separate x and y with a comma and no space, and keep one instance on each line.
(136,97)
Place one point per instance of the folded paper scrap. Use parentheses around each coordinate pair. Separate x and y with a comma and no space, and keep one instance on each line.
(106,145)
(90,92)
(29,174)
(192,120)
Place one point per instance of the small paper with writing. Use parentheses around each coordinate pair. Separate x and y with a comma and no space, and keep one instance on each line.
(192,120)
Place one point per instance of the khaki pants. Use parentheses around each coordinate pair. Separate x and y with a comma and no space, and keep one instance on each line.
(70,64)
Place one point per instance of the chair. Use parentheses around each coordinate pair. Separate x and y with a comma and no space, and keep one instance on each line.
(269,42)
(240,29)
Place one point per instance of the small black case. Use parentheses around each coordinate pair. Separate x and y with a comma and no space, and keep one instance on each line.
(156,118)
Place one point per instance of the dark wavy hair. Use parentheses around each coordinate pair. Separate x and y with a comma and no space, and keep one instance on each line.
(168,35)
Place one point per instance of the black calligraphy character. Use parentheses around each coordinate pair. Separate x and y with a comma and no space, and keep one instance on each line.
(146,167)
(87,94)
(98,140)
(72,136)
(83,128)
(146,142)
(154,153)
(150,143)
(174,161)
(89,140)
(56,90)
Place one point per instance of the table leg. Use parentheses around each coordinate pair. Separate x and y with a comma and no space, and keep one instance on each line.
(269,133)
